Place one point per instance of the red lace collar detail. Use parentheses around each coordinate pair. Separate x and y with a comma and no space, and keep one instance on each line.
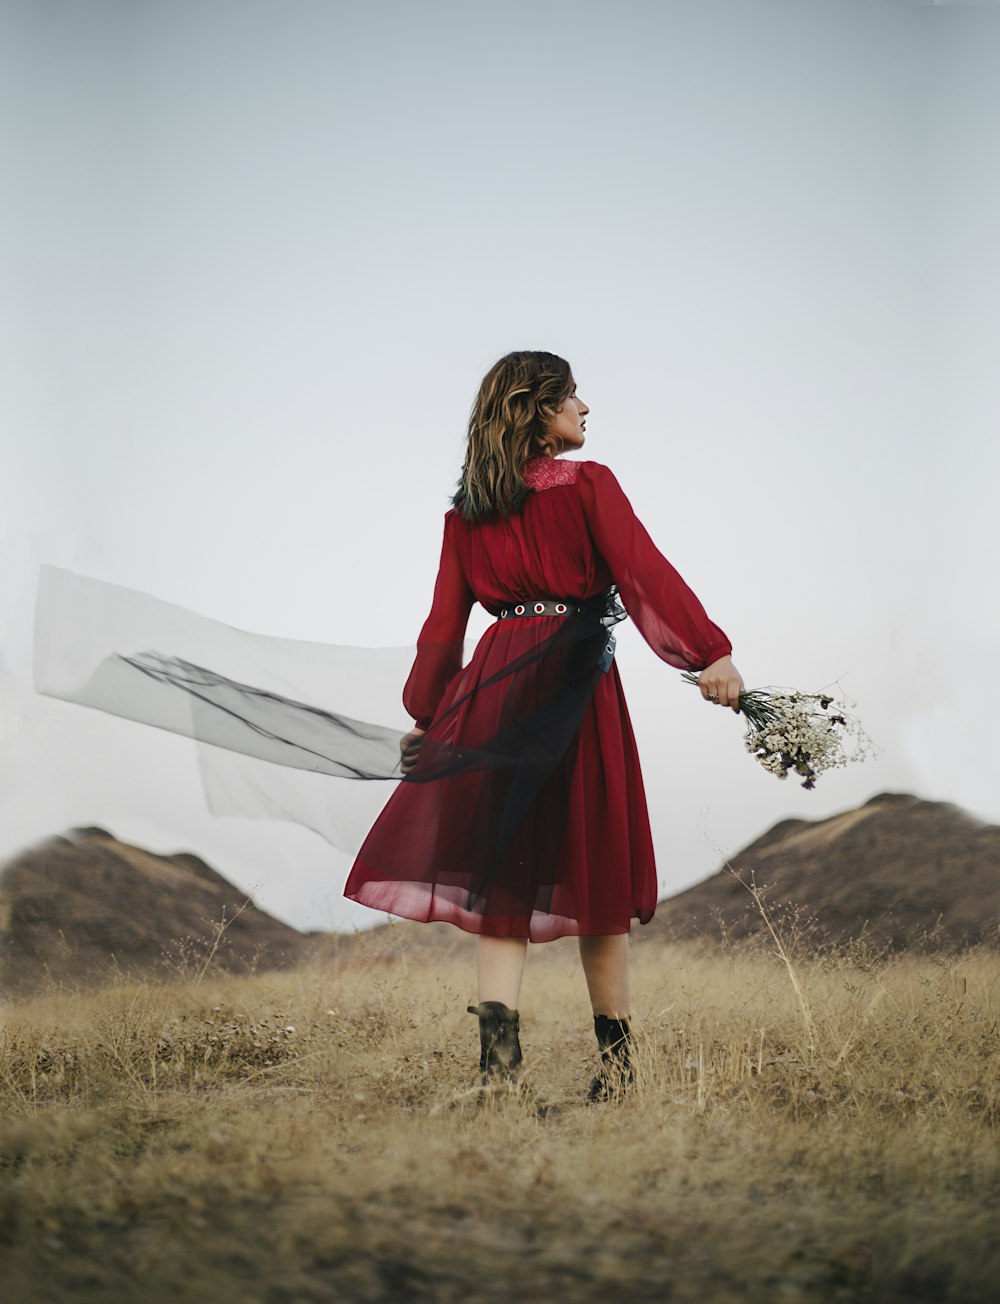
(543,472)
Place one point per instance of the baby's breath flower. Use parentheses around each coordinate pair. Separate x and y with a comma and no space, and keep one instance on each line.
(790,730)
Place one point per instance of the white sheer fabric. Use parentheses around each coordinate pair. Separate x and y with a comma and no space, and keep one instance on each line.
(274,719)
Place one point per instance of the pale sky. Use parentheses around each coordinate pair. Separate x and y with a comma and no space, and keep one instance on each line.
(256,258)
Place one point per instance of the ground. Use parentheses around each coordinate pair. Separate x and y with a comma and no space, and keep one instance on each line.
(813,1127)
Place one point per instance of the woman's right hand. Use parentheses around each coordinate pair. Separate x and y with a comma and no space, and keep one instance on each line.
(721,683)
(409,746)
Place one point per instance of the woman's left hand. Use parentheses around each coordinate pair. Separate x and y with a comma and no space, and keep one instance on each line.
(409,745)
(721,683)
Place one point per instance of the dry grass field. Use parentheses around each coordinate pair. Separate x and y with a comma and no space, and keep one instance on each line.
(818,1126)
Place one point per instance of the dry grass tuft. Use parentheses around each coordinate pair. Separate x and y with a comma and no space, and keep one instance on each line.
(316,1135)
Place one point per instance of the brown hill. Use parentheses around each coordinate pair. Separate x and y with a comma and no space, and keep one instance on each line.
(896,870)
(82,907)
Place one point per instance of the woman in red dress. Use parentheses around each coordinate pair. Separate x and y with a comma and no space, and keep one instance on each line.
(535,824)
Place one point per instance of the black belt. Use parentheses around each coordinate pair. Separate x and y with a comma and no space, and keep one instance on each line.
(542,607)
(551,607)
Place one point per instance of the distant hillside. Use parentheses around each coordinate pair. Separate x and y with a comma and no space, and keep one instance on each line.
(897,867)
(79,908)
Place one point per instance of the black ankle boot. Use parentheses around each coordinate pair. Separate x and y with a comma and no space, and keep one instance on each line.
(615,1074)
(500,1057)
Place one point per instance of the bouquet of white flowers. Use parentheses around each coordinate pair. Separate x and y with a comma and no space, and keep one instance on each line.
(789,730)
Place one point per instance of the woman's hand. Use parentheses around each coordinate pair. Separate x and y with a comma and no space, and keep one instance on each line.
(721,683)
(409,745)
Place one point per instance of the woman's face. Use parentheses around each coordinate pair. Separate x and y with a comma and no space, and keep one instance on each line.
(570,421)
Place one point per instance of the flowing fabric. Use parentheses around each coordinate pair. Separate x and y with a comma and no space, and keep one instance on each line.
(281,725)
(525,814)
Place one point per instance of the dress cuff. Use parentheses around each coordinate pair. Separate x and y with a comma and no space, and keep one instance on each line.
(716,651)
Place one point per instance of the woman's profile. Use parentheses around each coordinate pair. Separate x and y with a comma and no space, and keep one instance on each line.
(522,813)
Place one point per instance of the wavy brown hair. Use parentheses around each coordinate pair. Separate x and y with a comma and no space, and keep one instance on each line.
(517,399)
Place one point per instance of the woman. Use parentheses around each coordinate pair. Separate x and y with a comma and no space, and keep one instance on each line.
(522,814)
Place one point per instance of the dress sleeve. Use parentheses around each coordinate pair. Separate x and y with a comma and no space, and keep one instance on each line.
(668,614)
(441,642)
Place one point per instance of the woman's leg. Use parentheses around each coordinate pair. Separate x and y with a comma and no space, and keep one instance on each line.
(605,963)
(500,962)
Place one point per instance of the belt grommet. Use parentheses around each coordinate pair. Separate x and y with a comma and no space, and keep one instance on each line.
(504,612)
(539,608)
(519,610)
(560,608)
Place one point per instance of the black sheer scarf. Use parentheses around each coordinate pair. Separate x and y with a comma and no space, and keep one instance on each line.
(260,710)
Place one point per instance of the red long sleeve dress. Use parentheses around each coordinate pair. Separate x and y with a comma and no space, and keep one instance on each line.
(580,861)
